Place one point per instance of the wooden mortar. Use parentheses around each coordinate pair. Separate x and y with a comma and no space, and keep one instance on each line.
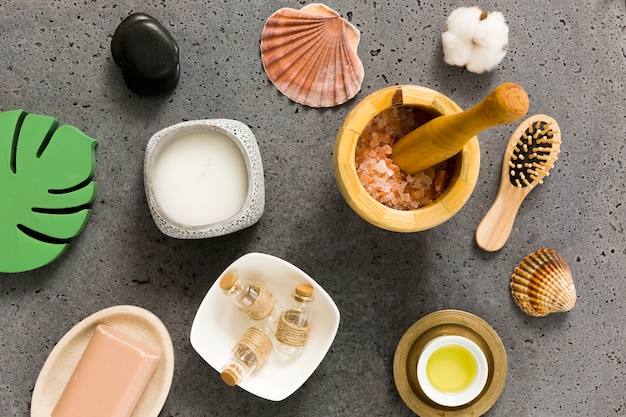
(456,194)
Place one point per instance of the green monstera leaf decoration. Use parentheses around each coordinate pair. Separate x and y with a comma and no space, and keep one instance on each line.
(46,188)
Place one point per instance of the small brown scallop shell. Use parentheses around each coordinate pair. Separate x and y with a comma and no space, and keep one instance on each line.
(310,55)
(542,284)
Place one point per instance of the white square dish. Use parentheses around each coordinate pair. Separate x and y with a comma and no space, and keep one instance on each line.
(218,325)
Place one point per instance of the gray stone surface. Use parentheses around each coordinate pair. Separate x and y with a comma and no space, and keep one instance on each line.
(569,55)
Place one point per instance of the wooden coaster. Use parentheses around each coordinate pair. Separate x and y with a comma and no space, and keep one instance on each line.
(440,323)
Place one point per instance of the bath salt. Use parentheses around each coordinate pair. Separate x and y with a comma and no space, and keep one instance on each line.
(383,179)
(381,167)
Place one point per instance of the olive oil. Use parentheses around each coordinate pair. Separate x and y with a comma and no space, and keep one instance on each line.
(451,368)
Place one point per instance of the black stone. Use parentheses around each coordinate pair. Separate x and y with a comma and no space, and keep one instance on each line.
(147,55)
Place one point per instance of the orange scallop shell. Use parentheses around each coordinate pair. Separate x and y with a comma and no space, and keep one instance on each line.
(542,284)
(310,55)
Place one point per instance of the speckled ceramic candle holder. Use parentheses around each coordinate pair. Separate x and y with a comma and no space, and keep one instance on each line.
(197,178)
(456,194)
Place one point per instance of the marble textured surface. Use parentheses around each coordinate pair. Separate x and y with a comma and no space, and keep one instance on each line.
(569,55)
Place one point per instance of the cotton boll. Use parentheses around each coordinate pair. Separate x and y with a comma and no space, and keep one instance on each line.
(475,40)
(456,50)
(492,31)
(484,59)
(494,20)
(464,21)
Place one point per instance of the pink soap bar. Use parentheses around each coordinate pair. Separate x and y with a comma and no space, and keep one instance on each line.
(109,378)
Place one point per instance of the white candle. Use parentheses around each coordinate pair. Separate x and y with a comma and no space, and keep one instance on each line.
(200,178)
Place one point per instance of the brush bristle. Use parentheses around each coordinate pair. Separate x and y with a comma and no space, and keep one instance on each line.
(534,154)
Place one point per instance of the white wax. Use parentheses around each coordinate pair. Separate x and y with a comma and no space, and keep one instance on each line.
(200,178)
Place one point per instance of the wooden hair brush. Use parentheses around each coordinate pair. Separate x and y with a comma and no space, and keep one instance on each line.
(528,158)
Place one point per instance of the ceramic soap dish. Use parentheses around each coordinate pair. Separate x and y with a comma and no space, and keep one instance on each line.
(135,321)
(204,178)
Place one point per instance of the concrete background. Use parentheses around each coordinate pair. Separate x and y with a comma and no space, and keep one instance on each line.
(570,55)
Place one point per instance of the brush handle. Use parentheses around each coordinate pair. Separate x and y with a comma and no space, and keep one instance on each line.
(444,136)
(495,228)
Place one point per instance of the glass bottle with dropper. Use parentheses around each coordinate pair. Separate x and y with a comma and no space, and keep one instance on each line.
(294,324)
(248,355)
(252,299)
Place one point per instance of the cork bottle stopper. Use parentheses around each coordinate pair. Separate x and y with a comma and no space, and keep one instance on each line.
(228,281)
(229,377)
(304,290)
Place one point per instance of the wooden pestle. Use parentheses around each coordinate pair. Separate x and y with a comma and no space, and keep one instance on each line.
(444,136)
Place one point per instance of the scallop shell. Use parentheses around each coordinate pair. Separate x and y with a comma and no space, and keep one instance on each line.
(310,55)
(542,284)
